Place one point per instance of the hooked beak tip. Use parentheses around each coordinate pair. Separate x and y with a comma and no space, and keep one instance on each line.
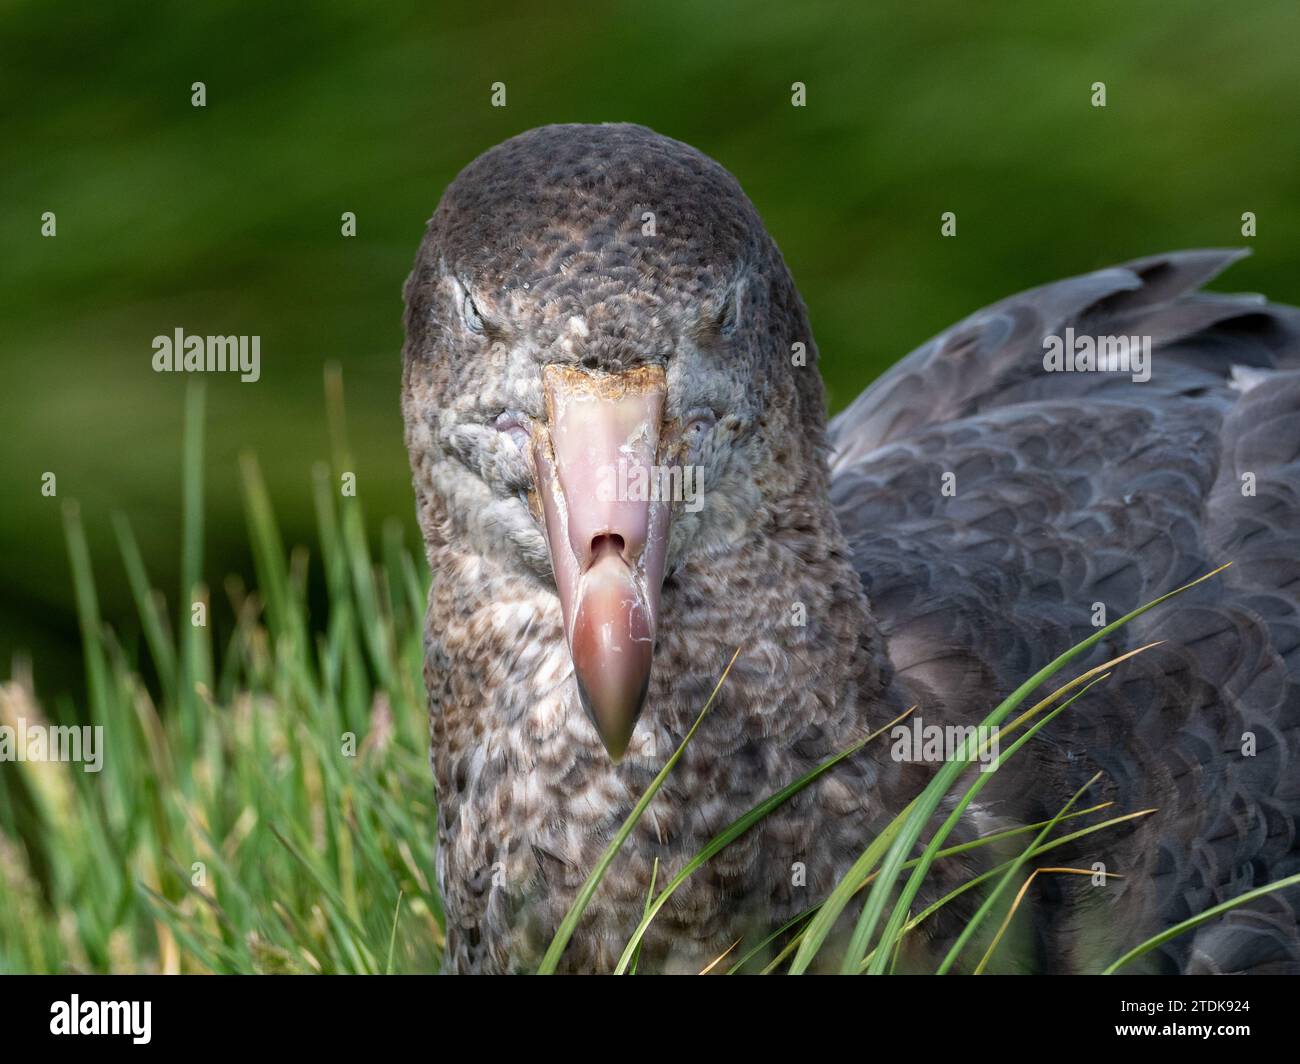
(615,730)
(611,642)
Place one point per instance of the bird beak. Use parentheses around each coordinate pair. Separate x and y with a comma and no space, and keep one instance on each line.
(606,532)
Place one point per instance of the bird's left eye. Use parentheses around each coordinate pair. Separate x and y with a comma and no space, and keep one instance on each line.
(696,427)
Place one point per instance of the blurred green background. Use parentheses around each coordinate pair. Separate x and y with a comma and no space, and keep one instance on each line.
(226,219)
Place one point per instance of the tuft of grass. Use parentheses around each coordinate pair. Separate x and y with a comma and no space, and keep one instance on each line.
(276,818)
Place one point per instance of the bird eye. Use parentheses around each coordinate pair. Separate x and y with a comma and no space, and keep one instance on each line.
(696,427)
(473,320)
(513,425)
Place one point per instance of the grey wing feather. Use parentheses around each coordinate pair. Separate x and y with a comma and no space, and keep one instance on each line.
(1077,490)
(994,357)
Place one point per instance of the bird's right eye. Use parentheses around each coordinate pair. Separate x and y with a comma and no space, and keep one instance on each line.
(696,428)
(515,425)
(473,320)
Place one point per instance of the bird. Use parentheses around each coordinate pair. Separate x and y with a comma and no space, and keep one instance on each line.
(597,311)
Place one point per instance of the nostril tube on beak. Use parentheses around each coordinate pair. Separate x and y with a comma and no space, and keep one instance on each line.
(607,542)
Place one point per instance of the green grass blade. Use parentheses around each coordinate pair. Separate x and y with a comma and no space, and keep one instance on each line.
(284,620)
(1023,829)
(152,621)
(649,897)
(1195,921)
(392,939)
(192,670)
(88,618)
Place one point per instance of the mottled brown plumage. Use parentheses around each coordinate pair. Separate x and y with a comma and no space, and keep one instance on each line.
(853,584)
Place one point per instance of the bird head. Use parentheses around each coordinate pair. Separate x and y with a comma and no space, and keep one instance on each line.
(603,382)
